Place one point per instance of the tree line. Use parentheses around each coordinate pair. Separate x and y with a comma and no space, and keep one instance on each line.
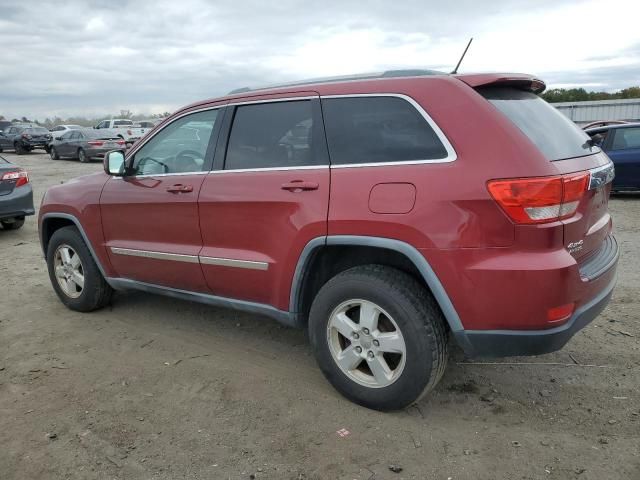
(555,95)
(86,121)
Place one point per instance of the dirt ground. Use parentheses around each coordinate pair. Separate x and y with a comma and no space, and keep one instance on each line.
(155,388)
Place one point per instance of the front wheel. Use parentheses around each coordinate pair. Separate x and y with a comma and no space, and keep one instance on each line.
(378,336)
(19,148)
(74,274)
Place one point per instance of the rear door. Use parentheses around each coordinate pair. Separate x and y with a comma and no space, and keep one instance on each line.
(624,151)
(150,217)
(267,200)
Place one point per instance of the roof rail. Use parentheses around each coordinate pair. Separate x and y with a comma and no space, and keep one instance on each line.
(345,78)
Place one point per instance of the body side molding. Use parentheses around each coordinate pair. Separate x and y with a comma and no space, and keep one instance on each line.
(407,250)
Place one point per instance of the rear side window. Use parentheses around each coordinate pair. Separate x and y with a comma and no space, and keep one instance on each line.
(555,135)
(272,135)
(626,138)
(363,130)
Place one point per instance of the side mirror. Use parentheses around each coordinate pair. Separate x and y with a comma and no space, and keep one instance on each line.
(114,163)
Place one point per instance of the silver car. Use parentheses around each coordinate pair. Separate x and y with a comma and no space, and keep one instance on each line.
(85,144)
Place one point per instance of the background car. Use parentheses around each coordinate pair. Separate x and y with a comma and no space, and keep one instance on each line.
(622,143)
(16,195)
(60,129)
(24,138)
(85,144)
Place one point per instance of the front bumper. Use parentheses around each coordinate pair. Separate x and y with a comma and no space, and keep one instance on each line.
(18,203)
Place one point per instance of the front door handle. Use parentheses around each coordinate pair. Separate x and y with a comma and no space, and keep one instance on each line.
(179,188)
(299,186)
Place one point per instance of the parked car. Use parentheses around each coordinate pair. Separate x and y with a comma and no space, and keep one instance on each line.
(622,144)
(85,144)
(365,211)
(24,138)
(603,123)
(4,124)
(58,130)
(16,196)
(126,129)
(149,124)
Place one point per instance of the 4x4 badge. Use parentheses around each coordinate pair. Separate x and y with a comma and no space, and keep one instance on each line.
(574,247)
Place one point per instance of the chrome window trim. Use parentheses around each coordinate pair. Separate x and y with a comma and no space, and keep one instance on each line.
(177,174)
(155,255)
(451,153)
(230,262)
(271,169)
(272,100)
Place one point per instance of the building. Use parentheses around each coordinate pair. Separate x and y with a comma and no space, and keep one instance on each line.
(593,111)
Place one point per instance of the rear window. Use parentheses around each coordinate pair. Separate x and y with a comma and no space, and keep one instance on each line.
(555,135)
(36,130)
(122,122)
(362,130)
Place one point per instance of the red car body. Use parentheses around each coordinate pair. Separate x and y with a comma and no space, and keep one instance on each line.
(505,288)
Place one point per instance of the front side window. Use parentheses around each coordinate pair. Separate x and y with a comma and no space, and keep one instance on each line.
(362,130)
(180,147)
(272,135)
(626,139)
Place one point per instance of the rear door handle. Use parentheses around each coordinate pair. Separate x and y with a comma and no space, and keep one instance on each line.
(299,186)
(179,188)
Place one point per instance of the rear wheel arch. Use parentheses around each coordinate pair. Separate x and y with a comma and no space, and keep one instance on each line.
(325,257)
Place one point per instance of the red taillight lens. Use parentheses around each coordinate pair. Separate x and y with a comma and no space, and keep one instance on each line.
(539,200)
(26,135)
(20,176)
(95,143)
(129,132)
(120,142)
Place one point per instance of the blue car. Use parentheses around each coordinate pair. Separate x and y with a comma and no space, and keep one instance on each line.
(622,144)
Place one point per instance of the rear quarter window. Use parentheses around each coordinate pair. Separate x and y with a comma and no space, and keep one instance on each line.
(385,129)
(555,135)
(626,138)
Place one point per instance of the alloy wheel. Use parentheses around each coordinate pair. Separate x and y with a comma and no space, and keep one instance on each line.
(69,271)
(366,343)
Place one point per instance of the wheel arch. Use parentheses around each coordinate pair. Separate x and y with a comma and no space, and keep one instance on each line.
(53,221)
(394,253)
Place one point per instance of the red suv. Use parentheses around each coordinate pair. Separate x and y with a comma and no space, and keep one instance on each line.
(384,213)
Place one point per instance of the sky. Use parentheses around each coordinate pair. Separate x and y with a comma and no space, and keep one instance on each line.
(95,57)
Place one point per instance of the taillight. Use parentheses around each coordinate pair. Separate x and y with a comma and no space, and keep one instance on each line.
(541,199)
(26,135)
(129,132)
(95,143)
(20,176)
(120,142)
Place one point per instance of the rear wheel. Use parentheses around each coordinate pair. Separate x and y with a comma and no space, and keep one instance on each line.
(54,154)
(378,336)
(74,274)
(12,224)
(82,156)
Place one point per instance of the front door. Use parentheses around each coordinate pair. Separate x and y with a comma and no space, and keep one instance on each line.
(150,217)
(271,196)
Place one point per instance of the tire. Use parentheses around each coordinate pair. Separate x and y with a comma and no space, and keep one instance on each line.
(53,153)
(95,292)
(405,306)
(15,224)
(82,156)
(19,148)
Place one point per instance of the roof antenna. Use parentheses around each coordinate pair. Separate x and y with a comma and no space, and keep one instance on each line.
(455,70)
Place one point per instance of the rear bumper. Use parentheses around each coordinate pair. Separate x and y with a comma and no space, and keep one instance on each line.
(505,343)
(18,203)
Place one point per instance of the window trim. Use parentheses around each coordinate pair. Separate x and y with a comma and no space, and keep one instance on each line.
(451,153)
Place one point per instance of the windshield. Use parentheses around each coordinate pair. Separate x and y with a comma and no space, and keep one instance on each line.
(555,135)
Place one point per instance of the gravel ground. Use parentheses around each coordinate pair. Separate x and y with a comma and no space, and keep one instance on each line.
(155,388)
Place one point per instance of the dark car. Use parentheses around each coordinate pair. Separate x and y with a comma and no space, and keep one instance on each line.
(622,144)
(364,211)
(4,124)
(84,144)
(16,196)
(24,138)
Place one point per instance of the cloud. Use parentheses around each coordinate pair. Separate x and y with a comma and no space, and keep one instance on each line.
(98,56)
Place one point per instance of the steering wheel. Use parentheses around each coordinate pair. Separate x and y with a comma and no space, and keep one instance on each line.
(185,156)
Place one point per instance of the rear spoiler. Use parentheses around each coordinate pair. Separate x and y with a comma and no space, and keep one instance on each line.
(516,80)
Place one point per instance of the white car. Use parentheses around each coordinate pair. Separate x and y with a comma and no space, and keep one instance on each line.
(129,131)
(59,130)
